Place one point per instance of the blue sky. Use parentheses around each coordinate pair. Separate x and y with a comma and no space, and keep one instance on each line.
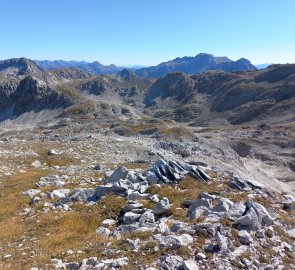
(147,32)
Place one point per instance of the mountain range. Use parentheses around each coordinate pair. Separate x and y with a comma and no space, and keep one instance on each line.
(197,64)
(189,65)
(214,96)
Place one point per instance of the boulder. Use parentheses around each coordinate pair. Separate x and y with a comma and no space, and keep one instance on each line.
(222,242)
(255,217)
(173,241)
(131,217)
(154,198)
(147,217)
(237,183)
(120,173)
(207,229)
(60,193)
(103,231)
(83,195)
(52,152)
(108,223)
(91,262)
(249,221)
(162,227)
(195,213)
(198,208)
(237,210)
(244,237)
(200,256)
(190,265)
(162,207)
(205,195)
(169,262)
(130,205)
(50,180)
(222,206)
(173,172)
(116,263)
(31,192)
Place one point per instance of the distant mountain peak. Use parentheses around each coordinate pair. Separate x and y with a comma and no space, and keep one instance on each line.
(201,62)
(127,74)
(94,67)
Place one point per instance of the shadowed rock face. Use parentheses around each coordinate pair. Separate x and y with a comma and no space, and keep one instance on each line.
(176,85)
(237,97)
(24,88)
(197,64)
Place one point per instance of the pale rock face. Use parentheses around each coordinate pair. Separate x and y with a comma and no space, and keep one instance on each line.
(174,241)
(31,192)
(201,256)
(60,193)
(108,223)
(190,265)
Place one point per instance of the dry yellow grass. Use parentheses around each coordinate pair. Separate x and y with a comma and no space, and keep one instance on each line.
(190,188)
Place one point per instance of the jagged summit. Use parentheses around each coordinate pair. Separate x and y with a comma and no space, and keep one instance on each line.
(20,66)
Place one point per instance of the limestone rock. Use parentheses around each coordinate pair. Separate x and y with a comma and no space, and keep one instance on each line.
(31,192)
(120,173)
(130,218)
(162,207)
(169,262)
(190,265)
(174,241)
(244,237)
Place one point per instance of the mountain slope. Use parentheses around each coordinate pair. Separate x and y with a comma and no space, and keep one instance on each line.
(197,64)
(267,95)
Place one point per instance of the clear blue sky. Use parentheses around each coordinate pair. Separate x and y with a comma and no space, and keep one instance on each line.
(147,31)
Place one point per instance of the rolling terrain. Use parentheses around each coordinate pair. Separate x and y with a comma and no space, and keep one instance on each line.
(147,169)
